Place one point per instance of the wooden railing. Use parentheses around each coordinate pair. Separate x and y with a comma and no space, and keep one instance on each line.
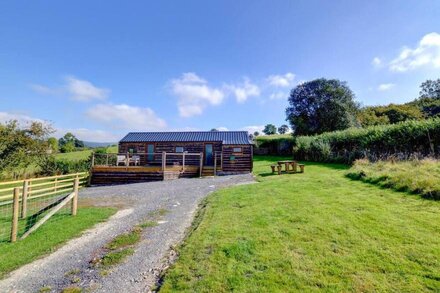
(163,160)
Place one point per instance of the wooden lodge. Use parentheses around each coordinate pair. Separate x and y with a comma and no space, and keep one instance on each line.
(151,156)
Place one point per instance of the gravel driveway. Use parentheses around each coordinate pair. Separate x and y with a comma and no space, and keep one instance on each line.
(140,271)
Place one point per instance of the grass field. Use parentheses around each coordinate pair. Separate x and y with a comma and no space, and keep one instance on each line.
(81,155)
(317,231)
(417,176)
(48,237)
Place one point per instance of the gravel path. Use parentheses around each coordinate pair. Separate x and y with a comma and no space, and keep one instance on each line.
(140,271)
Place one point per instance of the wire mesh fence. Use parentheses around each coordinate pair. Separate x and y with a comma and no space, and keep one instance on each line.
(24,203)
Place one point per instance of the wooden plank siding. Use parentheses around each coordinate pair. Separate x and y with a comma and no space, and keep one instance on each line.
(241,162)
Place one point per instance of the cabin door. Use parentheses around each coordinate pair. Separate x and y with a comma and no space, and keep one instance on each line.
(209,157)
(150,151)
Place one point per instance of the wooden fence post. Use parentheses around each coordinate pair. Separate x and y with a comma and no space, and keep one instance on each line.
(201,164)
(15,209)
(106,160)
(24,199)
(93,159)
(74,206)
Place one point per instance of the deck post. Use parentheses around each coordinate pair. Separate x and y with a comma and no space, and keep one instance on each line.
(215,163)
(183,162)
(93,159)
(164,161)
(201,164)
(106,160)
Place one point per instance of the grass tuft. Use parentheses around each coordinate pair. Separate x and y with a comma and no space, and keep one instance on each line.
(115,257)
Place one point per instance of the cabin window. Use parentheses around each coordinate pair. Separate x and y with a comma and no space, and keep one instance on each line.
(132,150)
(232,158)
(179,150)
(236,150)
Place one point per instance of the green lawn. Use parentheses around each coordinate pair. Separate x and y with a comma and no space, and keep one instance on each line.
(74,156)
(310,232)
(49,237)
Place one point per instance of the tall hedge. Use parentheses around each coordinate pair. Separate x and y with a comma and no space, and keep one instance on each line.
(402,140)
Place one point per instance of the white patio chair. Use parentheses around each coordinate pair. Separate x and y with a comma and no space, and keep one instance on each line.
(121,159)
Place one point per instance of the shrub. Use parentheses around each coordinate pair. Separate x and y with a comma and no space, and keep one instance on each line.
(402,140)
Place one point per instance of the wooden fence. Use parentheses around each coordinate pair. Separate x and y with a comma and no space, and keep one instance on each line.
(31,202)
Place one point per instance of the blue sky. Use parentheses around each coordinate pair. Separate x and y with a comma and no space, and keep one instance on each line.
(103,68)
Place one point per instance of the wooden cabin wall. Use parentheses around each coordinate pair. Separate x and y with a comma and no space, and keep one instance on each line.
(242,162)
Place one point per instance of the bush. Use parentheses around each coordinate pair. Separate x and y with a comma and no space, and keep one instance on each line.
(50,166)
(402,141)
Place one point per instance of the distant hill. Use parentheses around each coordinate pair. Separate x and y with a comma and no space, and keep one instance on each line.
(92,144)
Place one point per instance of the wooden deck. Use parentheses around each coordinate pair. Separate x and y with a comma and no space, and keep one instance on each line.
(106,175)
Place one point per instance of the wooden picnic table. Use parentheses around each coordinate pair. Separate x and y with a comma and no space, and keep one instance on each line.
(288,163)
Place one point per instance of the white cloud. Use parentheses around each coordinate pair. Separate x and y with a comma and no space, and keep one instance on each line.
(377,62)
(83,90)
(76,89)
(252,128)
(279,96)
(244,90)
(427,53)
(123,116)
(385,87)
(21,118)
(285,80)
(44,90)
(222,128)
(194,94)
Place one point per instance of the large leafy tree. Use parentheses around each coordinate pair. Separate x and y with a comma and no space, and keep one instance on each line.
(21,147)
(321,105)
(430,89)
(270,129)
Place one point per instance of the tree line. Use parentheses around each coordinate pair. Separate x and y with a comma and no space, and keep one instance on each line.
(325,105)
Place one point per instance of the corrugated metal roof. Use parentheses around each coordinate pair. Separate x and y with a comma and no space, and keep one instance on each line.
(227,137)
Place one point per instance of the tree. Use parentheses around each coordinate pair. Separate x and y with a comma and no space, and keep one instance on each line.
(389,114)
(53,144)
(270,129)
(430,89)
(68,143)
(321,105)
(283,129)
(251,136)
(214,129)
(21,147)
(256,133)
